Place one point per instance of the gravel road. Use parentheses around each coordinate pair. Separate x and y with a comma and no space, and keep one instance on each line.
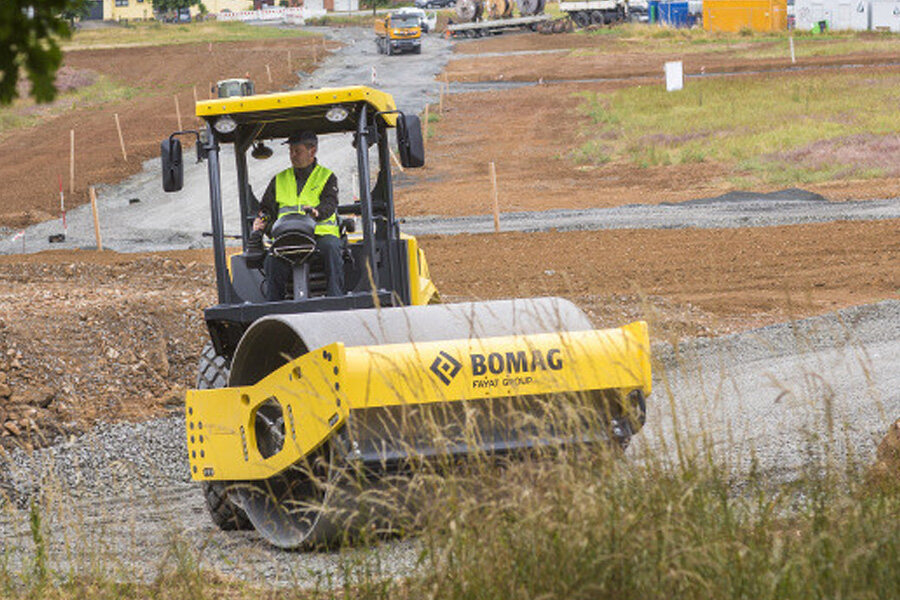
(121,494)
(736,209)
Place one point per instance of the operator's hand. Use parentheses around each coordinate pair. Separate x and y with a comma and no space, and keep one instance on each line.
(259,224)
(310,210)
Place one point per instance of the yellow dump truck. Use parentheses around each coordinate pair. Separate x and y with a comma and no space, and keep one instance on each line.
(397,32)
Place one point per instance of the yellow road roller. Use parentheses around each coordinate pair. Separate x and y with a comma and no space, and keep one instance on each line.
(307,403)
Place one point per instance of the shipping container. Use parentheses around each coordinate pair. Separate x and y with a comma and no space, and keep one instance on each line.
(675,14)
(734,15)
(885,15)
(838,14)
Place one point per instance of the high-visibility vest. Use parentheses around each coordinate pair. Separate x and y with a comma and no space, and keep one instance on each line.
(289,202)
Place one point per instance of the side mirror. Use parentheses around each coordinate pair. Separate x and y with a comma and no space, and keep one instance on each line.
(409,141)
(172,165)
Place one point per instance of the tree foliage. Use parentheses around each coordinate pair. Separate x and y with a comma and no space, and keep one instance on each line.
(29,30)
(375,4)
(167,5)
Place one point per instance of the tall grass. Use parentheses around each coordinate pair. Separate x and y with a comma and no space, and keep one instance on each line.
(744,124)
(676,518)
(585,524)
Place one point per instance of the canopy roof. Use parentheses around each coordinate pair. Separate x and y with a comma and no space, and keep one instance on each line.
(279,115)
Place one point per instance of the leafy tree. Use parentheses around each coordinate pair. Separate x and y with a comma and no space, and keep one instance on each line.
(167,5)
(29,30)
(375,4)
(80,10)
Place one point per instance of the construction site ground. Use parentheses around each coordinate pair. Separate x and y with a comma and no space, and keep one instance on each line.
(89,336)
(124,329)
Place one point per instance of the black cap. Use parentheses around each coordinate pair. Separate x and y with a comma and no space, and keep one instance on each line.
(307,138)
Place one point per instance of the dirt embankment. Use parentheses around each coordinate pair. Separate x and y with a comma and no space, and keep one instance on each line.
(88,337)
(38,156)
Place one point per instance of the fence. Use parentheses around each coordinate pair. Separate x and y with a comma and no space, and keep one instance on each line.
(293,15)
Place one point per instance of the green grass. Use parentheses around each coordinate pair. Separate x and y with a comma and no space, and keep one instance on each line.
(748,125)
(616,531)
(434,117)
(161,34)
(24,112)
(364,20)
(749,44)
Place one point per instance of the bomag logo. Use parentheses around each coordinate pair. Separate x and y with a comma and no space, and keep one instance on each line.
(445,367)
(516,362)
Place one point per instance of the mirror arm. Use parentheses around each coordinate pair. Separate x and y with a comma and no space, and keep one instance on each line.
(196,135)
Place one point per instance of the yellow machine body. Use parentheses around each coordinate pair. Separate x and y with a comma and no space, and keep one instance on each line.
(320,390)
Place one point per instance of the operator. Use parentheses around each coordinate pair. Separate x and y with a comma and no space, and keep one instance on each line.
(306,187)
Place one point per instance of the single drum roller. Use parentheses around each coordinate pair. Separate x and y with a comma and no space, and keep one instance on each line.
(316,400)
(312,411)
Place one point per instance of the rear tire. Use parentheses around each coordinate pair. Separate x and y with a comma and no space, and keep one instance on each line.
(212,373)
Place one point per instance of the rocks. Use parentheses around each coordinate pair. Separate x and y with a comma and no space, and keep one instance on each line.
(37,396)
(157,357)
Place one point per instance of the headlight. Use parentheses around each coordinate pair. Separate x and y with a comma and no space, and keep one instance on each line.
(225,124)
(336,114)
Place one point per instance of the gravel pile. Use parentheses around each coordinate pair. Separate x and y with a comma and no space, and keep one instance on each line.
(143,455)
(784,397)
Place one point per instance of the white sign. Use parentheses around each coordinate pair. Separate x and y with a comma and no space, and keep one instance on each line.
(674,76)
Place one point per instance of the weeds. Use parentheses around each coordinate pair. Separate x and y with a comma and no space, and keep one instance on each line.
(24,113)
(772,131)
(39,568)
(587,524)
(156,34)
(745,43)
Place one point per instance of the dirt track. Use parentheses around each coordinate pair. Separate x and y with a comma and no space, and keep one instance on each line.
(158,74)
